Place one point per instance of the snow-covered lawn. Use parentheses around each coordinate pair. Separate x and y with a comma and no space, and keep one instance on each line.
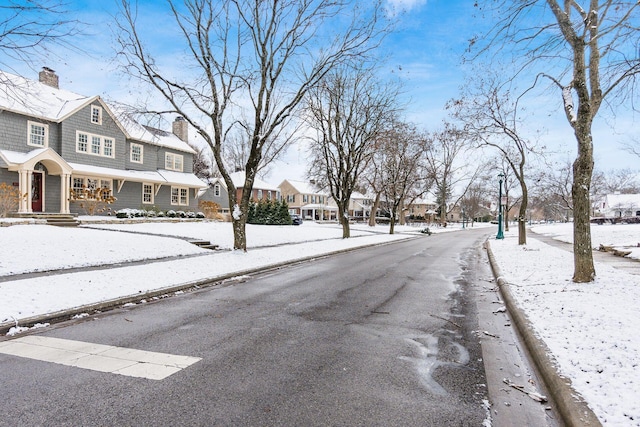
(37,248)
(621,236)
(591,329)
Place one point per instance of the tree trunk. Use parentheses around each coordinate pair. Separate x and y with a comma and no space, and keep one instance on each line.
(344,221)
(522,215)
(584,270)
(374,211)
(239,229)
(392,224)
(505,217)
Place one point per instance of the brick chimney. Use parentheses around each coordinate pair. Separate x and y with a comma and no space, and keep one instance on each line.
(48,77)
(181,128)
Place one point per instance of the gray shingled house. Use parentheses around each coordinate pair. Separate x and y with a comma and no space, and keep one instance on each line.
(55,143)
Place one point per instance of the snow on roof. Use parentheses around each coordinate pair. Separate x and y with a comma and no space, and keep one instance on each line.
(132,175)
(15,157)
(33,98)
(239,177)
(181,178)
(623,200)
(155,177)
(30,97)
(305,187)
(149,134)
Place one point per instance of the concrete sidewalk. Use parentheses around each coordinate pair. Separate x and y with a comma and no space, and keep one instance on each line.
(629,265)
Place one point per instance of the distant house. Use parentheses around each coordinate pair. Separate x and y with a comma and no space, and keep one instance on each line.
(217,191)
(55,143)
(422,209)
(619,206)
(360,206)
(307,200)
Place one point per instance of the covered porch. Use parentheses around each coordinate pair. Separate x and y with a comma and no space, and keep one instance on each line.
(32,169)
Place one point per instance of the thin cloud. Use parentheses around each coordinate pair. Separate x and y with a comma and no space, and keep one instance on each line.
(397,7)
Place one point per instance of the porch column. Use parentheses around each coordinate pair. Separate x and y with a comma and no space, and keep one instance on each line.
(65,180)
(24,186)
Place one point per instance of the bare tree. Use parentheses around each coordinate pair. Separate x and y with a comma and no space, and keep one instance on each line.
(347,110)
(444,167)
(252,64)
(29,29)
(476,201)
(201,163)
(491,118)
(588,50)
(401,150)
(552,188)
(375,185)
(624,181)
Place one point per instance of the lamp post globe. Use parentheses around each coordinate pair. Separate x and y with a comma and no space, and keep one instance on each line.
(500,234)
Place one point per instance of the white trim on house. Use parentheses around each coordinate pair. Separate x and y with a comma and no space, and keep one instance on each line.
(24,164)
(152,193)
(31,134)
(96,114)
(136,157)
(174,162)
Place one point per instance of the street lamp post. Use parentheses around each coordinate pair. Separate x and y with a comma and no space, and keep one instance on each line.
(500,234)
(463,219)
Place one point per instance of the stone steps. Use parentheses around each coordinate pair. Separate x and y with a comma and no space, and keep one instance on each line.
(204,244)
(57,219)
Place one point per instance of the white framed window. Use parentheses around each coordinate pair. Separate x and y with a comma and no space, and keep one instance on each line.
(180,196)
(78,185)
(216,190)
(38,134)
(82,142)
(173,162)
(269,195)
(291,198)
(95,145)
(147,193)
(108,147)
(91,184)
(136,153)
(259,194)
(96,114)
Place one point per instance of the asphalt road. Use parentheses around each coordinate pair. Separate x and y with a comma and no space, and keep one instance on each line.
(384,336)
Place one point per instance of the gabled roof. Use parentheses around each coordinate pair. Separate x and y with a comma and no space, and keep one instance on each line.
(139,132)
(622,200)
(35,99)
(238,179)
(303,187)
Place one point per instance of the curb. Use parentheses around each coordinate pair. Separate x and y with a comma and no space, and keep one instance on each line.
(106,305)
(572,408)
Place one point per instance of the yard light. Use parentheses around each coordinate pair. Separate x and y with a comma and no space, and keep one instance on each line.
(500,234)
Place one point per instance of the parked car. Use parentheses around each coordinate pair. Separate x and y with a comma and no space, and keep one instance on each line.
(296,219)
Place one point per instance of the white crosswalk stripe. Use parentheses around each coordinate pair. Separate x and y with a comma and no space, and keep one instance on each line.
(98,357)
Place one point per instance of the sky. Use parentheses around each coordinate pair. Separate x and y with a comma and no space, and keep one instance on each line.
(424,52)
(590,329)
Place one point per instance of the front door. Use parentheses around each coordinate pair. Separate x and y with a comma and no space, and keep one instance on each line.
(36,192)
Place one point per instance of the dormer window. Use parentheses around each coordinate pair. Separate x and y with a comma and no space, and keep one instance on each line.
(38,134)
(96,114)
